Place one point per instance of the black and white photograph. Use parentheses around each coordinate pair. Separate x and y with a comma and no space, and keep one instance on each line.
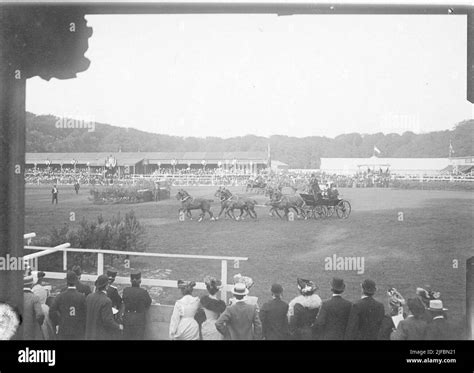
(237,171)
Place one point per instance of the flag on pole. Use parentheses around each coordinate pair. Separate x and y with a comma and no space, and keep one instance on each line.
(376,150)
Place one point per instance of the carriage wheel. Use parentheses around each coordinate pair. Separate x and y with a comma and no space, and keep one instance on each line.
(330,211)
(343,209)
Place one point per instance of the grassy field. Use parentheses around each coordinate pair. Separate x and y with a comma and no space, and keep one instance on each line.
(418,251)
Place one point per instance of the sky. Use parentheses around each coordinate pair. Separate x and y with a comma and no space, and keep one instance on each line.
(233,75)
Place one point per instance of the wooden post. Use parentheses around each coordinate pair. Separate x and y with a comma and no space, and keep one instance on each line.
(12,187)
(224,280)
(470,297)
(64,260)
(100,264)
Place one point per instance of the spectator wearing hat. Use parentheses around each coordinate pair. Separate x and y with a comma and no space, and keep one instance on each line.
(274,316)
(303,309)
(248,281)
(136,302)
(414,326)
(366,315)
(43,293)
(332,319)
(113,294)
(54,193)
(396,314)
(240,321)
(183,326)
(100,323)
(425,296)
(210,310)
(33,316)
(81,287)
(439,329)
(68,311)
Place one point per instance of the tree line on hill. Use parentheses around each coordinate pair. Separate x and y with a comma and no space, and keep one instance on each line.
(44,136)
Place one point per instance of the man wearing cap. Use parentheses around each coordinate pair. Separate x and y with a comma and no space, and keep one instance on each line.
(33,315)
(68,311)
(100,323)
(136,302)
(331,322)
(414,326)
(113,293)
(439,329)
(273,316)
(366,315)
(240,320)
(81,287)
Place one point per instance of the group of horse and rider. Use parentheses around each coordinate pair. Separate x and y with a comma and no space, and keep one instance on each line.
(315,203)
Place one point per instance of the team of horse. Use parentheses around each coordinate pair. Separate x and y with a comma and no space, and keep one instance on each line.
(229,202)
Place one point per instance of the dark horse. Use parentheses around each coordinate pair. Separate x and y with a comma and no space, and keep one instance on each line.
(229,202)
(256,186)
(189,203)
(285,203)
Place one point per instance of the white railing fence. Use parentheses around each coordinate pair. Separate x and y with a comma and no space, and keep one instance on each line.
(126,280)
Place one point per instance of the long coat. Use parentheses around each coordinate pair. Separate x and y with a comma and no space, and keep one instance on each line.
(332,319)
(242,322)
(69,312)
(439,330)
(100,323)
(410,329)
(33,316)
(136,301)
(274,320)
(365,320)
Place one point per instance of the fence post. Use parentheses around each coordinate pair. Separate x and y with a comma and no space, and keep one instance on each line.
(224,280)
(100,264)
(64,260)
(470,297)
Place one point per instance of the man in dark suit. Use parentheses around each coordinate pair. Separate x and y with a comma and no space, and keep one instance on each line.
(81,288)
(100,323)
(439,329)
(274,316)
(69,311)
(331,322)
(240,320)
(366,315)
(136,302)
(54,193)
(112,292)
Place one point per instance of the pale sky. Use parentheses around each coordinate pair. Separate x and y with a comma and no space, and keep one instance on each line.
(232,75)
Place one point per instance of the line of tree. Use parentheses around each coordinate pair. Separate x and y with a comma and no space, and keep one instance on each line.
(304,152)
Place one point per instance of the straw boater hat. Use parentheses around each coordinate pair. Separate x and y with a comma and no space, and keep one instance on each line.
(28,280)
(436,305)
(240,289)
(238,278)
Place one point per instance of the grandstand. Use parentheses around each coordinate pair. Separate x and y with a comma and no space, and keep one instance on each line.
(396,166)
(146,163)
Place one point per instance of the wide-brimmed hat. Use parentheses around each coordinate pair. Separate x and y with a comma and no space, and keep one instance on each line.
(395,299)
(101,281)
(238,278)
(212,282)
(369,287)
(240,289)
(436,305)
(182,284)
(306,286)
(337,284)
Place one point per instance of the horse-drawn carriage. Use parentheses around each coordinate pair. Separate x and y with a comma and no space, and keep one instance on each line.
(325,207)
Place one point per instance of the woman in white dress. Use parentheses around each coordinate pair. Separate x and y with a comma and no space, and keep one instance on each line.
(213,308)
(183,326)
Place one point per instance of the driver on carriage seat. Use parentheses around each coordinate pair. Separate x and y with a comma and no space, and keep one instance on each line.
(315,189)
(333,193)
